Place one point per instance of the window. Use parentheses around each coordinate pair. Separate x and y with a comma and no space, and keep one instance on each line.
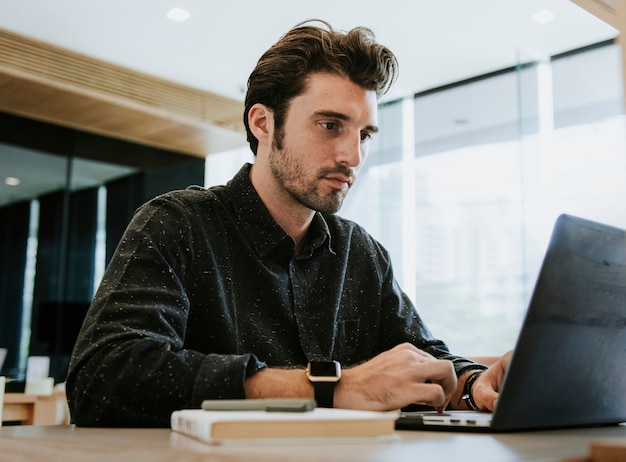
(494,161)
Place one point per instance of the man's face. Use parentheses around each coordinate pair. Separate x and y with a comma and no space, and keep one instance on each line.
(324,141)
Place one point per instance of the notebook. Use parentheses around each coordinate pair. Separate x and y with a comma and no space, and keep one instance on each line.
(3,355)
(568,368)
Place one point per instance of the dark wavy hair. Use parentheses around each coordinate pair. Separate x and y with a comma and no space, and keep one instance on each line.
(281,73)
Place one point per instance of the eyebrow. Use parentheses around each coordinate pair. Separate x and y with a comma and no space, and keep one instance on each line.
(340,116)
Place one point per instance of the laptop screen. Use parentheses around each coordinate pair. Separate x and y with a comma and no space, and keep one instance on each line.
(568,367)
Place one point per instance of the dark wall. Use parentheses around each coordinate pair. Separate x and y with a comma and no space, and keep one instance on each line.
(14,221)
(66,238)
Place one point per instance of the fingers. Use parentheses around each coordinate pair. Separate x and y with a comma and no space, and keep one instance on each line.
(424,368)
(440,385)
(486,389)
(397,378)
(484,393)
(434,382)
(431,394)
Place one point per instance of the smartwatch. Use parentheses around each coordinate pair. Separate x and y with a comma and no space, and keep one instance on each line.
(324,375)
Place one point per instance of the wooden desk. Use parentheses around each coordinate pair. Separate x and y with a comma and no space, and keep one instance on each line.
(29,409)
(68,444)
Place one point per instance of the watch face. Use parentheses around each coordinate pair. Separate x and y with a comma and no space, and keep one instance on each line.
(324,369)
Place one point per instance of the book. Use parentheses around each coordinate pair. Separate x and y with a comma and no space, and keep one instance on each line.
(219,427)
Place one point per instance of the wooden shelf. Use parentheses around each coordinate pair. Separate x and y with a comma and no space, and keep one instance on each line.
(29,409)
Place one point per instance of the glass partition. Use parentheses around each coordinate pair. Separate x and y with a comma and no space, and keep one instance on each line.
(65,199)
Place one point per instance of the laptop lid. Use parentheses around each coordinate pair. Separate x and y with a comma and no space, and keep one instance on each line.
(567,369)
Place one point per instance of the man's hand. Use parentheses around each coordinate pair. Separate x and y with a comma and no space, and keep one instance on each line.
(486,389)
(397,378)
(391,380)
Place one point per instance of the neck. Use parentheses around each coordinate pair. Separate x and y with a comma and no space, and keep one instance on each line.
(291,216)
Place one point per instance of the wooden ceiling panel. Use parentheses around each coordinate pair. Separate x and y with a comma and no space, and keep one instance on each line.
(53,85)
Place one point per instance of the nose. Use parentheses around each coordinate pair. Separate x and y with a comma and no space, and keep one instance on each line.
(353,150)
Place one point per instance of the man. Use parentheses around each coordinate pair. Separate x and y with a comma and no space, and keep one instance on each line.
(231,292)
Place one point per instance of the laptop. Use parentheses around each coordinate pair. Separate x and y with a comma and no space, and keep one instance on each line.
(568,368)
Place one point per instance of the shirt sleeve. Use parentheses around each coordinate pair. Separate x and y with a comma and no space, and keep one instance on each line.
(129,366)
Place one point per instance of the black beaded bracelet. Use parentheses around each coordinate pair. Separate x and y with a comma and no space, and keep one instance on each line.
(467,390)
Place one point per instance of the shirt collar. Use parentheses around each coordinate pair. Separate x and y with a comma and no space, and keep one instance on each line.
(259,225)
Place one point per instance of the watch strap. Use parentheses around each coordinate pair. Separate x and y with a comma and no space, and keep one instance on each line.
(324,393)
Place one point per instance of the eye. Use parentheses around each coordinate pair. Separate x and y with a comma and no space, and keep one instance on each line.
(329,125)
(366,136)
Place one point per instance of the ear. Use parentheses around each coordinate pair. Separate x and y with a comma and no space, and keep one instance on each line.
(261,122)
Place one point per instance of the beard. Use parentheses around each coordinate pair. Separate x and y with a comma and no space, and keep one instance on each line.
(304,186)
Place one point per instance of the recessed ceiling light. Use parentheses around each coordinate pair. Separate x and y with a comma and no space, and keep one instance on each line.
(12,181)
(178,15)
(543,17)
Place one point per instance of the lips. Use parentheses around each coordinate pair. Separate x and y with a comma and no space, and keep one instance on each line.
(340,181)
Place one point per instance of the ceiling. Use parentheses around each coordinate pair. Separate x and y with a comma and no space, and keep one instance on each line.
(436,42)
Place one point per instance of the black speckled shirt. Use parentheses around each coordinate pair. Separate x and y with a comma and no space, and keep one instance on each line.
(204,290)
